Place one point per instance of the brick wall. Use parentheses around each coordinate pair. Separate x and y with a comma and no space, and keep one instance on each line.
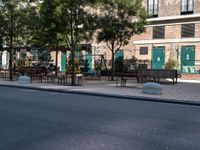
(173,7)
(197,6)
(197,34)
(172,31)
(169,8)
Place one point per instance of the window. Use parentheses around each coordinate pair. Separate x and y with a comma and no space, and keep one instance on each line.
(143,50)
(159,32)
(188,30)
(187,7)
(153,8)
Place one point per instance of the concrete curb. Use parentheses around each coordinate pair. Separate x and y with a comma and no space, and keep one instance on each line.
(136,98)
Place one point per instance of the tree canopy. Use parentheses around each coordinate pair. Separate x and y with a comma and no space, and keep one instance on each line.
(14,26)
(119,21)
(66,23)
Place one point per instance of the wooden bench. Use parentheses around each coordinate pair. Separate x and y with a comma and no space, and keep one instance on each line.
(157,74)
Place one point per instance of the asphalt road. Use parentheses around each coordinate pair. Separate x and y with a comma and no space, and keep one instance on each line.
(36,120)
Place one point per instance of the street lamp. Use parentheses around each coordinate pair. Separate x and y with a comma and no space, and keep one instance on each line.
(177,55)
(177,52)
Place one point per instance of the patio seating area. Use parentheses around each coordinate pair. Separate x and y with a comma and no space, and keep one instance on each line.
(42,75)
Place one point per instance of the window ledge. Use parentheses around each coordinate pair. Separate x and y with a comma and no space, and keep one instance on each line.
(174,17)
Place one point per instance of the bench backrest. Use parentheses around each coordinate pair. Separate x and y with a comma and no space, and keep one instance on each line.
(159,73)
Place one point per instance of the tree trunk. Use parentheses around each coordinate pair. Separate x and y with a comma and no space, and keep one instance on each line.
(10,64)
(73,66)
(56,65)
(113,61)
(11,47)
(113,66)
(72,47)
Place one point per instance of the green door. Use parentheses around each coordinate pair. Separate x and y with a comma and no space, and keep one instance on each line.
(88,61)
(119,61)
(158,58)
(187,58)
(63,61)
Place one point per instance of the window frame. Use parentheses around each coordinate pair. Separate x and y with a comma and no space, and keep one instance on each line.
(187,11)
(148,8)
(153,35)
(194,29)
(146,48)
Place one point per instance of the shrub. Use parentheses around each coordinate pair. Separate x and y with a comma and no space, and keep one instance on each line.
(171,64)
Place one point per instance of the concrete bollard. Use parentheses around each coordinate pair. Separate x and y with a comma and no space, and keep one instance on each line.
(24,80)
(152,88)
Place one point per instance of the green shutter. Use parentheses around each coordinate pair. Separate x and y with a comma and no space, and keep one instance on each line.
(63,61)
(187,58)
(119,61)
(158,58)
(88,61)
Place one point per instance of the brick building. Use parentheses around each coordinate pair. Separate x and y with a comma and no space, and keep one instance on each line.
(174,33)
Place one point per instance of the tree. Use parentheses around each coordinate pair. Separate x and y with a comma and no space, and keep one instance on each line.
(118,22)
(13,16)
(35,25)
(51,28)
(74,15)
(8,26)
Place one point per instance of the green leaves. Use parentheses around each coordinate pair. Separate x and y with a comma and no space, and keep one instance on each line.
(120,20)
(50,22)
(14,22)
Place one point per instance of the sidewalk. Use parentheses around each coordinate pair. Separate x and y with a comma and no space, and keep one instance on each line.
(184,90)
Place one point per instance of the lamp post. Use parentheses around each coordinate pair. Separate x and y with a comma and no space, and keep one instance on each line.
(177,55)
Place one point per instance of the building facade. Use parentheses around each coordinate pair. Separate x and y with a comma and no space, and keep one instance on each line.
(173,33)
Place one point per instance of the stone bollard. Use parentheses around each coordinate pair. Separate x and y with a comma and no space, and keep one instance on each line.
(152,88)
(24,80)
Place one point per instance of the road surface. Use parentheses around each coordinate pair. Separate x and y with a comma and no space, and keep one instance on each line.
(38,120)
